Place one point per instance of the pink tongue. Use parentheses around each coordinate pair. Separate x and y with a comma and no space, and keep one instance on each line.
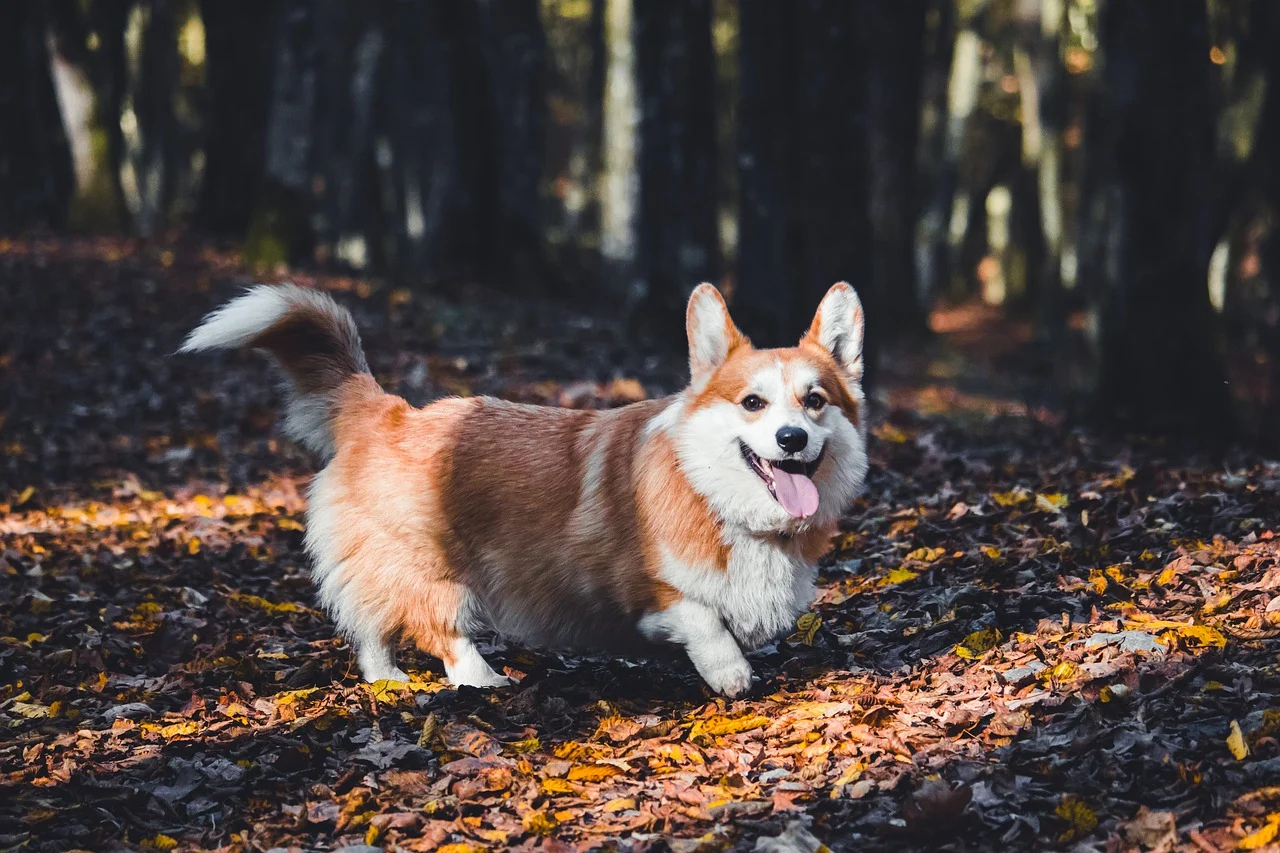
(796,492)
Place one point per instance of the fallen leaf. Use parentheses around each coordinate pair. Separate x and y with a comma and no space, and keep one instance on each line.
(978,643)
(1235,742)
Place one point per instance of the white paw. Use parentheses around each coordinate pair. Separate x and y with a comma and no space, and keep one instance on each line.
(490,680)
(729,678)
(471,670)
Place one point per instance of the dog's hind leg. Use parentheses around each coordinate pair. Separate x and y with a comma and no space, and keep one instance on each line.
(437,621)
(465,666)
(376,657)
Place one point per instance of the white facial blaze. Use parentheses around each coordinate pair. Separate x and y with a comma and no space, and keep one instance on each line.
(784,386)
(707,441)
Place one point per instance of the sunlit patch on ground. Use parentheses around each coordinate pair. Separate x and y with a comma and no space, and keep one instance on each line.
(1025,636)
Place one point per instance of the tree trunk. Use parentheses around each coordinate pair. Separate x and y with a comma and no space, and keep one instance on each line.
(895,41)
(1265,168)
(618,182)
(677,221)
(152,151)
(239,37)
(1162,362)
(36,180)
(803,154)
(515,52)
(419,173)
(937,175)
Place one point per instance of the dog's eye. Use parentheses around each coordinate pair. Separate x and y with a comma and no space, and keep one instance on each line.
(814,400)
(752,403)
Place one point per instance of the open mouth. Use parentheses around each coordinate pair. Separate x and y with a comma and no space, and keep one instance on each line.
(790,481)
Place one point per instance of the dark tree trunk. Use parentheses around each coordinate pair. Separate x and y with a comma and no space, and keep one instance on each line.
(895,34)
(319,129)
(421,189)
(109,72)
(677,246)
(513,45)
(154,159)
(803,154)
(454,94)
(1265,169)
(1162,363)
(239,42)
(36,179)
(937,172)
(497,56)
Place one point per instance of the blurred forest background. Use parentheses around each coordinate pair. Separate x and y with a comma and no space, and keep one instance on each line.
(1099,180)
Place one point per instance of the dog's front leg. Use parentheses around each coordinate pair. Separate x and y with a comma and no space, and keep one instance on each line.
(713,650)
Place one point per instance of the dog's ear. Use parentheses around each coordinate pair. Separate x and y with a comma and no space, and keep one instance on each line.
(837,328)
(712,334)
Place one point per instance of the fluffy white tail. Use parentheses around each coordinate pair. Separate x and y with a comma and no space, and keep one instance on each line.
(311,337)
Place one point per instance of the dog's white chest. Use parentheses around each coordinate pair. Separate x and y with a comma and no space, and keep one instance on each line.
(759,594)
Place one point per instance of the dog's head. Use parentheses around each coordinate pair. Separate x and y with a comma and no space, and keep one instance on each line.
(775,439)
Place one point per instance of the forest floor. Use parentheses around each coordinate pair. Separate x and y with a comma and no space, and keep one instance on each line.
(1028,636)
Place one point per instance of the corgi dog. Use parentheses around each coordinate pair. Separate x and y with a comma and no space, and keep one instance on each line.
(696,519)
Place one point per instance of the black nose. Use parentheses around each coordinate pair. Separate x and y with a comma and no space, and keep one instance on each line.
(792,439)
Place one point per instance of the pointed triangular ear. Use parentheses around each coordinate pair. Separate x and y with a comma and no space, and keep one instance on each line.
(837,328)
(712,335)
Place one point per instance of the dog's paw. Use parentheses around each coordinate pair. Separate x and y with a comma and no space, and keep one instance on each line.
(492,679)
(730,678)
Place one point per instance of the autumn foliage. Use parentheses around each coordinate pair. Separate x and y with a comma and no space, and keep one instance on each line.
(1027,636)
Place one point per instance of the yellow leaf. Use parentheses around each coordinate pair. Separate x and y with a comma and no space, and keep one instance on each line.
(25,495)
(539,822)
(1169,575)
(288,697)
(891,434)
(146,611)
(1204,635)
(524,747)
(460,847)
(193,545)
(1064,671)
(927,555)
(1052,502)
(978,643)
(371,836)
(263,604)
(287,523)
(850,775)
(620,804)
(386,690)
(1235,742)
(160,842)
(188,727)
(1116,572)
(1264,836)
(897,576)
(552,785)
(30,710)
(1080,818)
(592,772)
(807,627)
(717,726)
(1007,499)
(991,552)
